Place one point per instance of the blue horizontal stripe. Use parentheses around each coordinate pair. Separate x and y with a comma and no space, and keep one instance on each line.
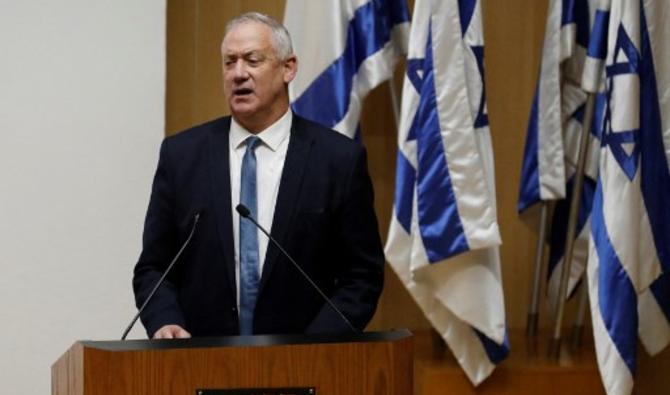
(655,178)
(617,299)
(598,41)
(326,100)
(660,288)
(466,8)
(495,352)
(577,12)
(404,191)
(439,220)
(597,124)
(529,187)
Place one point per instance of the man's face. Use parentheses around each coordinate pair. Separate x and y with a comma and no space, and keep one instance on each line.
(254,79)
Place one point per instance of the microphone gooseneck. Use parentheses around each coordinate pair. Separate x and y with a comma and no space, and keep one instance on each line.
(196,218)
(246,213)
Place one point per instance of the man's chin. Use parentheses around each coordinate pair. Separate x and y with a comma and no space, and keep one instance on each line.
(242,111)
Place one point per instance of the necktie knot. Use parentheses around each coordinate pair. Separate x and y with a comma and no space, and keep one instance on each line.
(252,143)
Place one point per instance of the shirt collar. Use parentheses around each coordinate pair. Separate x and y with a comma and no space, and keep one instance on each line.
(272,136)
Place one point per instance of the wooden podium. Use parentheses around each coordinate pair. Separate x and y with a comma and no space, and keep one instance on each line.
(378,363)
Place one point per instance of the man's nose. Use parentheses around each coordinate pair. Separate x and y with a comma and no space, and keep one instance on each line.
(240,70)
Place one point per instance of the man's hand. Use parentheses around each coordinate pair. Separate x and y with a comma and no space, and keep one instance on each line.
(171,332)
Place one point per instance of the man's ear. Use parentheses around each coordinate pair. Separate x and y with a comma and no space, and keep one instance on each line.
(290,68)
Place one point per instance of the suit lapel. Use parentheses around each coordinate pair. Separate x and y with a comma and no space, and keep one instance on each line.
(220,180)
(289,189)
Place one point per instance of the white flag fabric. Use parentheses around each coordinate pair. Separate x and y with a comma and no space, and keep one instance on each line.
(345,48)
(443,237)
(629,254)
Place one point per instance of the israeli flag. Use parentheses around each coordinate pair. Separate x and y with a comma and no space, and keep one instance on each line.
(554,131)
(543,173)
(443,238)
(629,254)
(555,121)
(345,48)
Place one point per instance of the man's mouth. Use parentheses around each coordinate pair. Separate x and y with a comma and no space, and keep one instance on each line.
(242,92)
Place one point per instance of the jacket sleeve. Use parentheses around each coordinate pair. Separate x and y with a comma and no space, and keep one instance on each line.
(359,282)
(158,248)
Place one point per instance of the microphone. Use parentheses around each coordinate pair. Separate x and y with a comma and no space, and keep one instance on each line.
(246,213)
(196,218)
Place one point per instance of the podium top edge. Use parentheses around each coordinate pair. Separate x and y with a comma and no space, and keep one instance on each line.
(246,341)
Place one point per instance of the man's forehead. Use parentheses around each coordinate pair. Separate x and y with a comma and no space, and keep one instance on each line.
(250,35)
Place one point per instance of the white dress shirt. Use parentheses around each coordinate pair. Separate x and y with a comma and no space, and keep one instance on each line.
(270,156)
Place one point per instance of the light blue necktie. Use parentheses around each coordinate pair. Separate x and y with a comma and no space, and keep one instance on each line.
(249,262)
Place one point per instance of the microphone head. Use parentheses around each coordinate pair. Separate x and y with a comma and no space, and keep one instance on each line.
(243,210)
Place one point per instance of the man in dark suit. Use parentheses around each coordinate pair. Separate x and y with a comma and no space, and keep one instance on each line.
(308,184)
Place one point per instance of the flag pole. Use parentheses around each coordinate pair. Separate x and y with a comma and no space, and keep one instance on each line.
(395,104)
(578,327)
(533,314)
(555,341)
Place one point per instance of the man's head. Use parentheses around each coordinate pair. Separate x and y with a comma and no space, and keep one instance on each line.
(258,64)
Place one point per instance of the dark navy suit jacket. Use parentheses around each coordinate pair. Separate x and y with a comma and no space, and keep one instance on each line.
(324,218)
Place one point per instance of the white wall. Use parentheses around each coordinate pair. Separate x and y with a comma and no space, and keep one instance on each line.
(82,86)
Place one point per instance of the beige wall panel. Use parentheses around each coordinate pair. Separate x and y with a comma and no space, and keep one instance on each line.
(208,94)
(513,31)
(181,64)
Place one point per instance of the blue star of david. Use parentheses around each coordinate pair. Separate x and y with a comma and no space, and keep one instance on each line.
(615,140)
(417,72)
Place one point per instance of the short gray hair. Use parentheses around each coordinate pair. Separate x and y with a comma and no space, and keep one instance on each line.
(281,39)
